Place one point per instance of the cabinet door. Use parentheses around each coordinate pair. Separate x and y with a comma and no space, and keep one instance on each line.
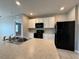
(51,22)
(49,36)
(40,20)
(32,23)
(31,35)
(45,21)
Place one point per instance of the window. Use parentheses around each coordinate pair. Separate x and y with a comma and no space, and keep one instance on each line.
(18,29)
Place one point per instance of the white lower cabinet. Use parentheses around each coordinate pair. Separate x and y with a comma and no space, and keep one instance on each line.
(45,36)
(48,36)
(31,35)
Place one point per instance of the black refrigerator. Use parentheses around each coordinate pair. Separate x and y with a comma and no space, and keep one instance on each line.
(65,35)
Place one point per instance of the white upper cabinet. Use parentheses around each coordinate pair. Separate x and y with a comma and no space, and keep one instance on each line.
(31,23)
(40,20)
(52,22)
(49,22)
(46,21)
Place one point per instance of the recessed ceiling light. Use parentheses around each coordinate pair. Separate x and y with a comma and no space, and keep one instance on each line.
(62,8)
(31,14)
(18,3)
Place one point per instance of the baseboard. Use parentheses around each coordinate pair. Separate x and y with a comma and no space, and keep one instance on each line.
(76,51)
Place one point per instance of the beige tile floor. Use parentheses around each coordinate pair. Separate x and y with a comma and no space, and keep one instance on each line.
(35,49)
(65,54)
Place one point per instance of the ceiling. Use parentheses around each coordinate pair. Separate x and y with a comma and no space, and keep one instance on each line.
(37,7)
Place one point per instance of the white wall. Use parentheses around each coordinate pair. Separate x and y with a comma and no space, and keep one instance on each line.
(25,26)
(71,14)
(77,31)
(7,26)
